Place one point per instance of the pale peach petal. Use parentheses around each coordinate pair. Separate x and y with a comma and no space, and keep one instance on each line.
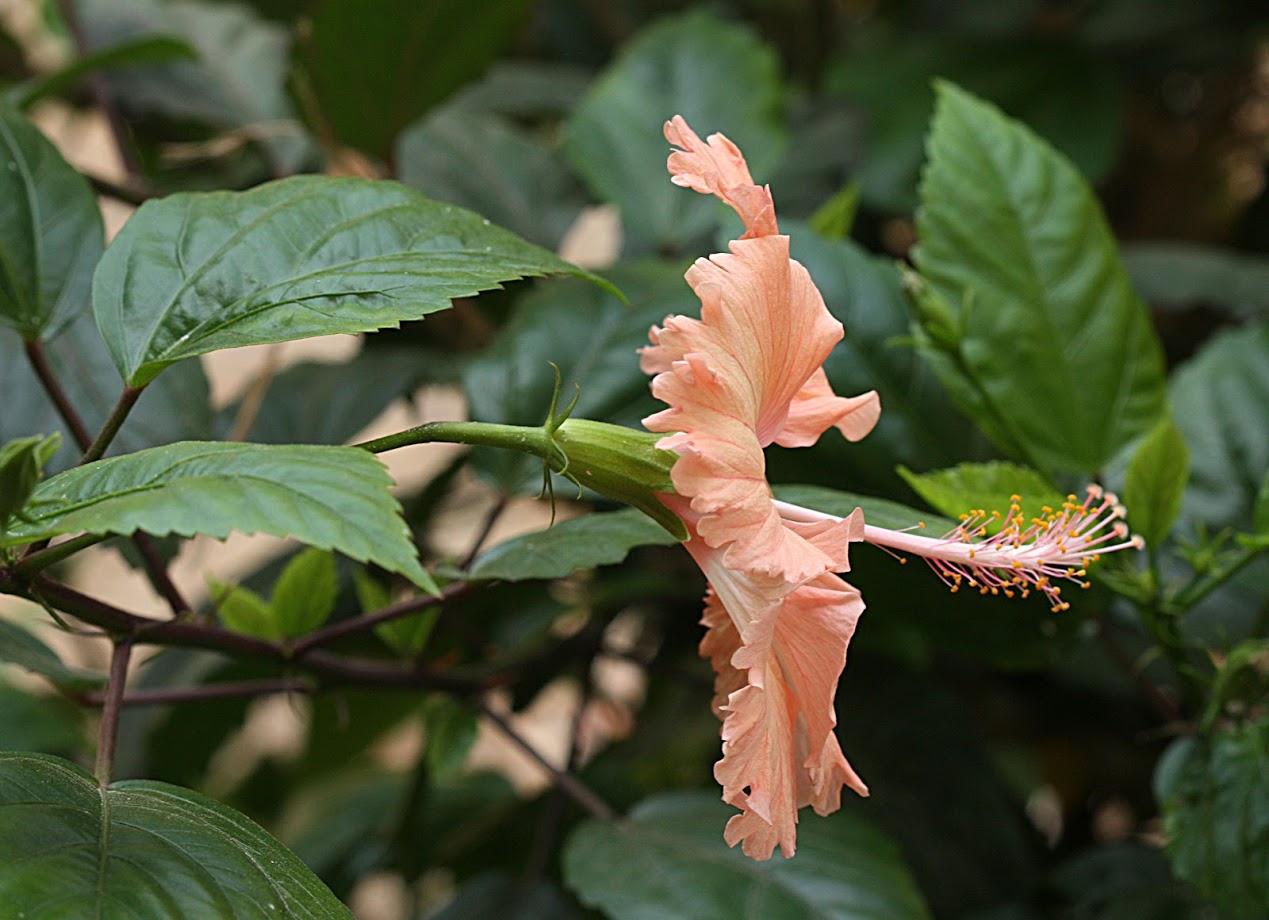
(815,409)
(719,168)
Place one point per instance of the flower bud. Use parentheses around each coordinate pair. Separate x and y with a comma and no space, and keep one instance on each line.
(621,463)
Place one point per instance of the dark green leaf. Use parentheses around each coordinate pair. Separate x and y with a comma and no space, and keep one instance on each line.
(1184,274)
(1241,683)
(50,232)
(1060,90)
(21,462)
(525,89)
(1054,339)
(1220,400)
(1215,797)
(373,75)
(150,50)
(139,850)
(17,646)
(986,486)
(496,894)
(690,65)
(669,861)
(1156,481)
(593,338)
(304,595)
(409,635)
(47,724)
(237,82)
(877,511)
(483,162)
(174,408)
(329,497)
(300,257)
(581,543)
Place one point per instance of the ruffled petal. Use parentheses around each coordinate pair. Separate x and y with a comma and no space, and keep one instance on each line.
(815,409)
(780,752)
(719,168)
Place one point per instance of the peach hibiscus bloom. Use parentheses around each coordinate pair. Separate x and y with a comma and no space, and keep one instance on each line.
(747,374)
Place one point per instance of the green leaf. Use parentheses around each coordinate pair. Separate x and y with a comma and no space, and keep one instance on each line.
(1189,274)
(47,724)
(373,75)
(243,611)
(409,635)
(988,486)
(238,81)
(484,162)
(1241,682)
(51,233)
(300,257)
(1060,89)
(497,894)
(1214,794)
(877,511)
(1156,481)
(592,337)
(1220,400)
(330,497)
(21,462)
(691,65)
(669,861)
(174,408)
(139,849)
(450,729)
(147,50)
(1054,340)
(20,647)
(835,217)
(580,543)
(304,595)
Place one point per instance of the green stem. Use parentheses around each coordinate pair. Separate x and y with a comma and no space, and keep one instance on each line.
(118,415)
(536,441)
(1196,591)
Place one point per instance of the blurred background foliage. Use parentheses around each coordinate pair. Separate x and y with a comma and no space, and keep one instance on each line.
(1012,752)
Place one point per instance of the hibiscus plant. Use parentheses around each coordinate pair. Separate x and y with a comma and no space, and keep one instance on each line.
(967,457)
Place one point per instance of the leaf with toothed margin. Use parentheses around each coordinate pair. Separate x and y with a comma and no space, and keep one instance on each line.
(335,498)
(301,257)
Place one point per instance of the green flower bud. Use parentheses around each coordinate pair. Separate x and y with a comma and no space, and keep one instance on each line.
(21,462)
(621,463)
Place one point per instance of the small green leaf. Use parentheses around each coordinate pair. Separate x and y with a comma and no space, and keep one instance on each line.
(329,497)
(669,861)
(1055,344)
(1241,683)
(243,611)
(835,217)
(158,49)
(139,849)
(986,486)
(580,543)
(1156,481)
(1214,794)
(304,595)
(21,462)
(51,233)
(691,65)
(450,728)
(300,257)
(17,646)
(373,75)
(1260,515)
(409,635)
(878,511)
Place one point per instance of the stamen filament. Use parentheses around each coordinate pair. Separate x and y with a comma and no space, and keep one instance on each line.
(1059,545)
